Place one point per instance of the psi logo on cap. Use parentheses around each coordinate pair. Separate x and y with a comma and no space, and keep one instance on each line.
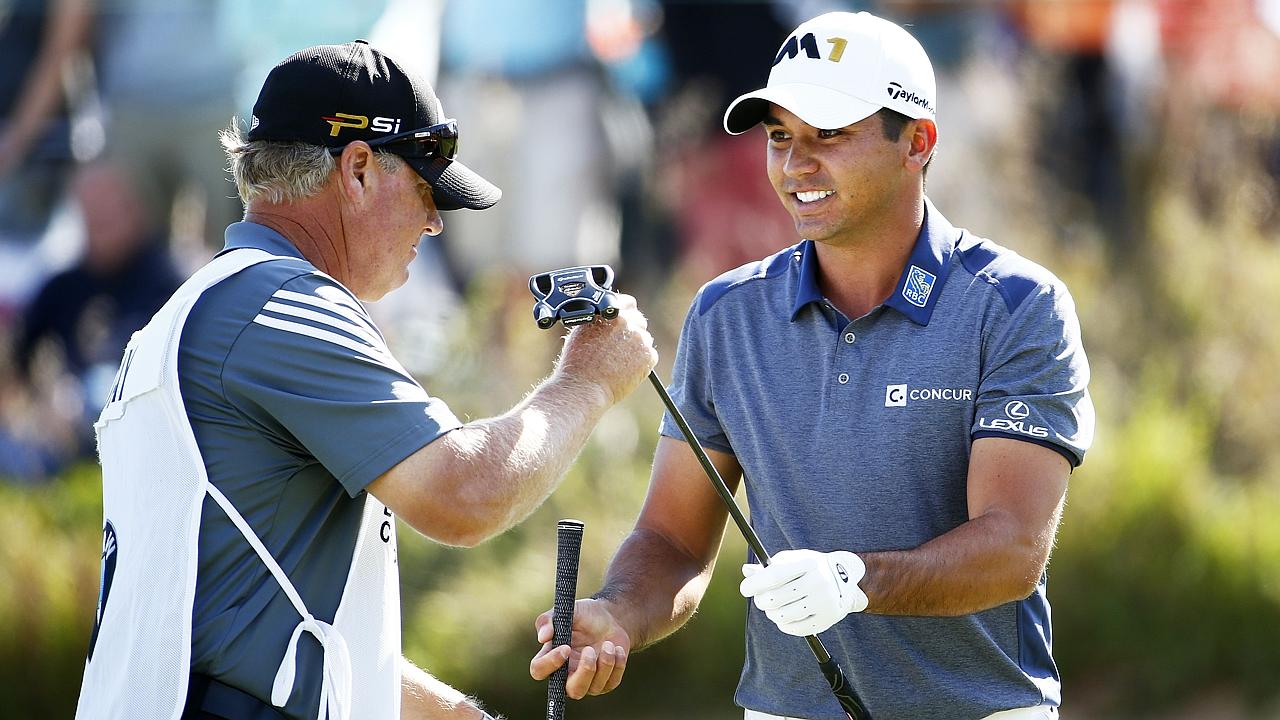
(360,122)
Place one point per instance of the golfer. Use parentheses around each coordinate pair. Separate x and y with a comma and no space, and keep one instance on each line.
(260,436)
(904,402)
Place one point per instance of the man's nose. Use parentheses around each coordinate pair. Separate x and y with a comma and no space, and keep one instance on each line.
(435,223)
(800,160)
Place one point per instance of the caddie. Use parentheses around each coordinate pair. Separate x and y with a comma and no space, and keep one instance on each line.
(260,438)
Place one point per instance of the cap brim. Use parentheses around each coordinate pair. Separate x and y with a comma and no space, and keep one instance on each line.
(456,186)
(821,107)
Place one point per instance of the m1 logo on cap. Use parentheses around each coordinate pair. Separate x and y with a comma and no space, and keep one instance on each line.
(809,43)
(360,122)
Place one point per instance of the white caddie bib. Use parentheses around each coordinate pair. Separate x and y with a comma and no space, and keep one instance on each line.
(153,488)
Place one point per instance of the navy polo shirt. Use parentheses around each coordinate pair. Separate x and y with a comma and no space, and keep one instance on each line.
(854,434)
(297,405)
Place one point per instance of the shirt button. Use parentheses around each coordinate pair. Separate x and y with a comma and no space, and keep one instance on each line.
(849,337)
(843,378)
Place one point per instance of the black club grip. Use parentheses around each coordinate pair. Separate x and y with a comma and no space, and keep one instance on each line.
(849,701)
(568,547)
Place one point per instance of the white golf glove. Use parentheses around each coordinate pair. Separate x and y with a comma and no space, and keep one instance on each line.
(804,592)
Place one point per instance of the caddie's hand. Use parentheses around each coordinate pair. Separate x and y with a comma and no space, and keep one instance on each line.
(616,354)
(804,592)
(598,655)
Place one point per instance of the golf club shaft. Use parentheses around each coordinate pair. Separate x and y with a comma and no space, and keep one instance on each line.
(844,693)
(714,475)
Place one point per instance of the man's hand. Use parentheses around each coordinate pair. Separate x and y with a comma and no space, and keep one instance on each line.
(615,355)
(804,592)
(598,655)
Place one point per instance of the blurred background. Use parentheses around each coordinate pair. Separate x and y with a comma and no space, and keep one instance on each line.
(1132,146)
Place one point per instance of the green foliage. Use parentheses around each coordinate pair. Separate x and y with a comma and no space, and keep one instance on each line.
(50,544)
(1165,581)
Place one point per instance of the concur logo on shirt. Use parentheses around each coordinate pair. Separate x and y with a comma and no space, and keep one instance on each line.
(918,286)
(898,395)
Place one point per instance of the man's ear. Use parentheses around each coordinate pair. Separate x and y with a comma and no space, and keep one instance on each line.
(355,170)
(923,137)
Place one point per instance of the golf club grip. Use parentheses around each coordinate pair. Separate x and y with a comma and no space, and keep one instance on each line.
(840,687)
(568,548)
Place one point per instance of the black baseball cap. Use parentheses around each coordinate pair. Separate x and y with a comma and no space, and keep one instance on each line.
(332,95)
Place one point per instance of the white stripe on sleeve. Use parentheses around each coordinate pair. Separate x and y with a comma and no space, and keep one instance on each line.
(355,314)
(325,319)
(375,353)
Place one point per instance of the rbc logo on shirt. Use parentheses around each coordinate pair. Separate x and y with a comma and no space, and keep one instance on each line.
(919,285)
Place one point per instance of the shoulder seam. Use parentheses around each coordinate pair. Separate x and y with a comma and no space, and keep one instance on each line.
(1000,289)
(704,306)
(1006,293)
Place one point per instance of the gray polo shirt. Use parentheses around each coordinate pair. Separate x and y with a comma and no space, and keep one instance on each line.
(855,435)
(297,405)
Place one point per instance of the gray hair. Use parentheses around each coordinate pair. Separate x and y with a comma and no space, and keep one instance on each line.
(281,171)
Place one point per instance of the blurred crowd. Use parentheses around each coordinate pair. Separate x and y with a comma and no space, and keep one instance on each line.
(600,119)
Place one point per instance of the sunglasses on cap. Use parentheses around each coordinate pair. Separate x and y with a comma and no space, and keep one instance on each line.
(439,140)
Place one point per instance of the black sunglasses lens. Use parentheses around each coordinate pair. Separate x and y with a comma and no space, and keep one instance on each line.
(430,144)
(448,147)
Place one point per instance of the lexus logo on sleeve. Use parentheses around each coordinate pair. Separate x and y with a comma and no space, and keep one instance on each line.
(1016,421)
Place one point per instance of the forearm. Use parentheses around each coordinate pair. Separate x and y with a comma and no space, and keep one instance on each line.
(508,465)
(981,564)
(652,588)
(423,697)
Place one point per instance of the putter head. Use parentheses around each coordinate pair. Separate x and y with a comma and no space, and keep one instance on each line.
(573,295)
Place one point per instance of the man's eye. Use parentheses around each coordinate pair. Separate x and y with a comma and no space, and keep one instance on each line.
(777,136)
(824,134)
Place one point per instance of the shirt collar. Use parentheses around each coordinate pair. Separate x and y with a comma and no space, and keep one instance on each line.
(252,235)
(807,290)
(922,277)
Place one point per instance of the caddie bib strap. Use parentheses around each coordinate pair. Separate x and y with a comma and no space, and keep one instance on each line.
(335,688)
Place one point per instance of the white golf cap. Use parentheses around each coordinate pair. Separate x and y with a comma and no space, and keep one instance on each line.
(839,68)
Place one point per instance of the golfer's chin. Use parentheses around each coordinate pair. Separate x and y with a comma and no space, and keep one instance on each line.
(810,228)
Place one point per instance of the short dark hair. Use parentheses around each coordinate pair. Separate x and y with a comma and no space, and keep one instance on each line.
(892,123)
